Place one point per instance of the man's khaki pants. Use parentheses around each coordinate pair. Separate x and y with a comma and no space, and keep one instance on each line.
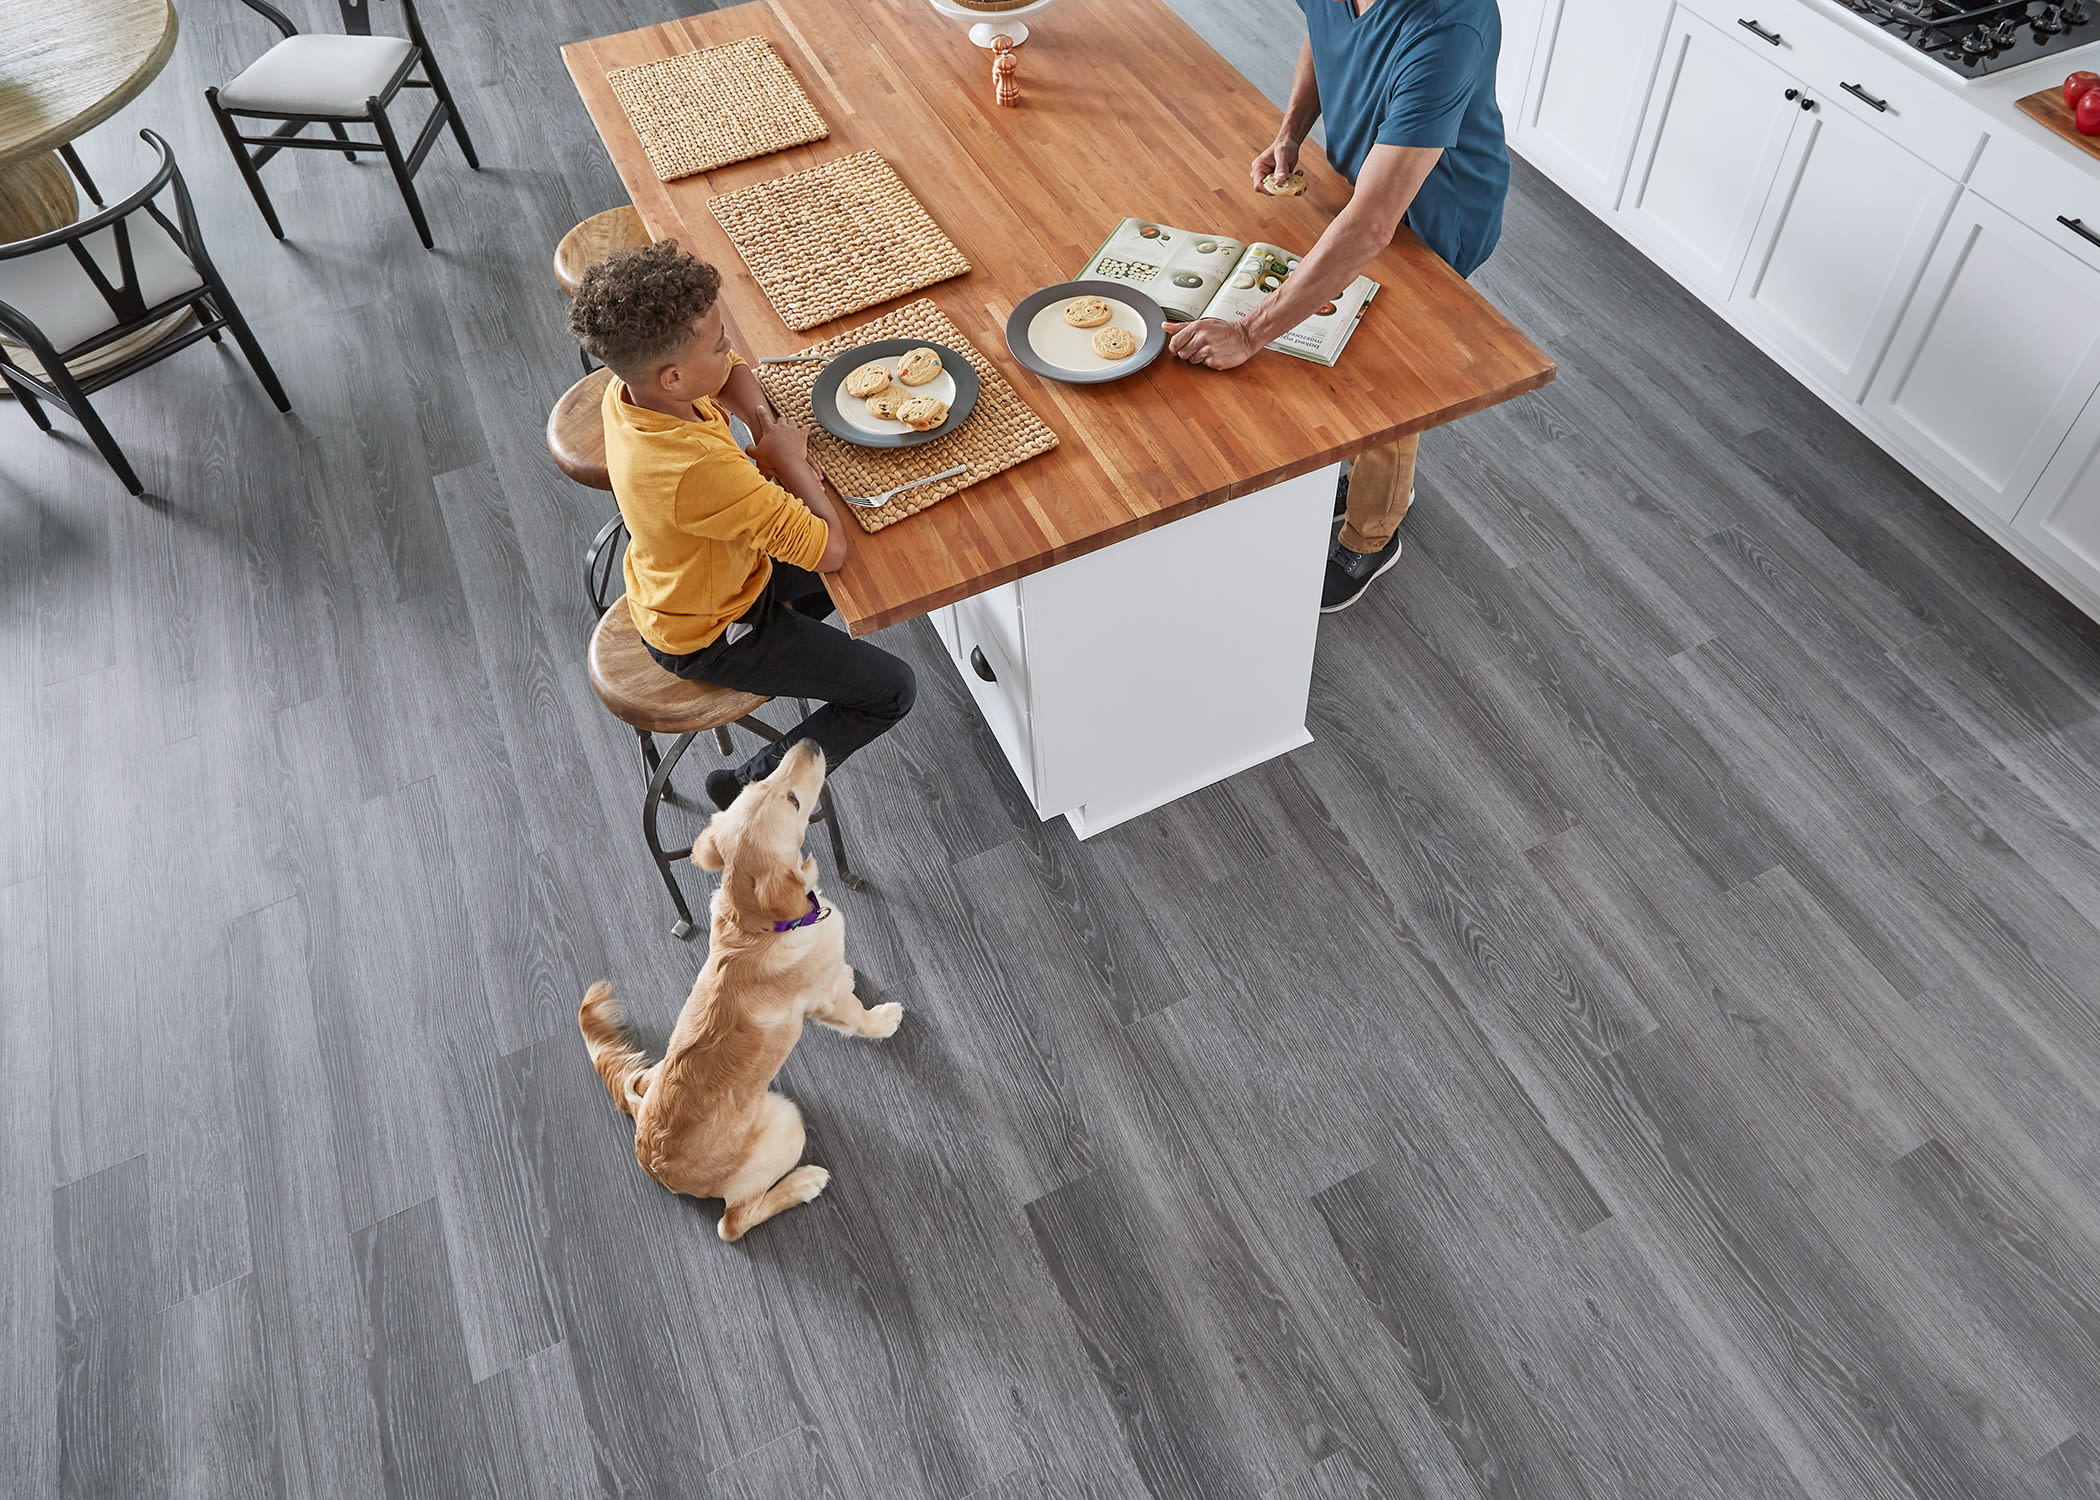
(1380,486)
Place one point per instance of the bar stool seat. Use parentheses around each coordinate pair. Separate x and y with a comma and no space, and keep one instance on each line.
(595,238)
(637,690)
(576,431)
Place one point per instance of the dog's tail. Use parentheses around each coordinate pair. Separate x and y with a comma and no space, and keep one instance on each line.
(618,1061)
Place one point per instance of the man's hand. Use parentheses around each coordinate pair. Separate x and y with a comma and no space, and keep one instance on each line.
(1213,342)
(1281,158)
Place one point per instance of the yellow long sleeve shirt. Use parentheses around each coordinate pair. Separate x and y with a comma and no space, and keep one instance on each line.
(704,526)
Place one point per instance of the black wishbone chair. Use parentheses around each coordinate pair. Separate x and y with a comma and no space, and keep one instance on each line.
(336,80)
(66,294)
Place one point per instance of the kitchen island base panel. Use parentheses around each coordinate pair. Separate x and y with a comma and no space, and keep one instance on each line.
(1125,679)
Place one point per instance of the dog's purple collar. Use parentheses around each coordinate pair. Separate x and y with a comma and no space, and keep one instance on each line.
(816,913)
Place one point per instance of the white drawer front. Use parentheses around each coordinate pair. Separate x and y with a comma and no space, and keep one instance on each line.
(986,630)
(2042,192)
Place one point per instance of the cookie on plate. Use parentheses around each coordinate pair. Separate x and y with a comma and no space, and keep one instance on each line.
(1088,312)
(884,403)
(1115,343)
(923,413)
(868,379)
(919,366)
(1285,187)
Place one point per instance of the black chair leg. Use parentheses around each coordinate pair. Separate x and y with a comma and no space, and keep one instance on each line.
(80,173)
(257,360)
(242,160)
(598,566)
(658,782)
(403,178)
(99,435)
(27,397)
(444,98)
(335,128)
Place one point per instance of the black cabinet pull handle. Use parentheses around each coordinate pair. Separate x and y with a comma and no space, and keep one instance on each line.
(1759,32)
(1865,98)
(2077,227)
(980,666)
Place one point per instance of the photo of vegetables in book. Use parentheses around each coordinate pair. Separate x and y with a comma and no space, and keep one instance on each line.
(1194,276)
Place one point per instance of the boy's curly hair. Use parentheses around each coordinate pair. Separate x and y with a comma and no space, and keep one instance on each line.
(636,307)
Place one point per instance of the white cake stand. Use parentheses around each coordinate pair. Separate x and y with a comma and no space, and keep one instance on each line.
(986,25)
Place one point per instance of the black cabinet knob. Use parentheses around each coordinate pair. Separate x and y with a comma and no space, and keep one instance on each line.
(1793,93)
(980,666)
(1808,104)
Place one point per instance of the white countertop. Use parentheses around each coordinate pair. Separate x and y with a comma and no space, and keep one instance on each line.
(1993,94)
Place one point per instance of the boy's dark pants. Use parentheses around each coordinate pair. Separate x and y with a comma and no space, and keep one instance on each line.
(790,653)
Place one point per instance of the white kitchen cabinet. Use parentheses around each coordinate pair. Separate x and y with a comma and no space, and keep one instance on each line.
(1121,680)
(1716,129)
(1589,79)
(1520,35)
(1846,229)
(2062,517)
(1995,356)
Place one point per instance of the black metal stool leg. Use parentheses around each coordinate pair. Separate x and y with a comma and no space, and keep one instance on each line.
(829,810)
(661,778)
(599,561)
(723,742)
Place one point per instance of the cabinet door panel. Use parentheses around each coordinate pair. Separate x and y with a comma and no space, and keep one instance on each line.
(1842,240)
(1590,76)
(2063,517)
(1995,356)
(1717,126)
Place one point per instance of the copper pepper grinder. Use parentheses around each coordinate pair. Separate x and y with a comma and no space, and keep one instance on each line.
(1006,90)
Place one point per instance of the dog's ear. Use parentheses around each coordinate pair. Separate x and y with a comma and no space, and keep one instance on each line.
(707,854)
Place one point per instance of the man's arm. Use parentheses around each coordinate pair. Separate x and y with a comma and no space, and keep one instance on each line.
(1299,112)
(1390,178)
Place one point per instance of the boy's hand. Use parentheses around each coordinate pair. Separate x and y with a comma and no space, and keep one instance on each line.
(779,445)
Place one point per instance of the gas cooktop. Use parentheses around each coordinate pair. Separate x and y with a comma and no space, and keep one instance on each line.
(1974,39)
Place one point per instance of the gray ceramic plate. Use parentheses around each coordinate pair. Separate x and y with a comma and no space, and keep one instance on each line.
(957,384)
(1041,339)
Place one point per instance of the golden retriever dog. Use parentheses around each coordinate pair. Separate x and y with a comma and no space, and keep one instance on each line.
(706,1120)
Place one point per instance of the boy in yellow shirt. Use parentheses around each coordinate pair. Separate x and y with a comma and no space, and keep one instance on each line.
(725,548)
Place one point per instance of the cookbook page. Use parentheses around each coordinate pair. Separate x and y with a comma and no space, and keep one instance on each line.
(1320,338)
(1180,269)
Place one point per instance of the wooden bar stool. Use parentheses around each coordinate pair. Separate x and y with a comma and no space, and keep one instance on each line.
(636,690)
(591,241)
(576,443)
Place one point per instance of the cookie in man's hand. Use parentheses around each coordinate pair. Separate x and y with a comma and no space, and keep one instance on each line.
(1284,187)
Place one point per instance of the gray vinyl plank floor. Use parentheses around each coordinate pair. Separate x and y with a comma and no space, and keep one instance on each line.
(1648,1045)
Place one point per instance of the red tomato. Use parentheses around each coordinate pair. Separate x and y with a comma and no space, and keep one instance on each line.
(2087,116)
(2078,85)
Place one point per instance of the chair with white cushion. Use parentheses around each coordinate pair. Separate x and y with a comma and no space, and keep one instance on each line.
(95,302)
(335,81)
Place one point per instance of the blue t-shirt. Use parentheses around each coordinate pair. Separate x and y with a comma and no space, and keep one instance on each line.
(1419,73)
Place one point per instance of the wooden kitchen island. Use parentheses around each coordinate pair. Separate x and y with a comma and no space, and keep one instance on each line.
(1134,612)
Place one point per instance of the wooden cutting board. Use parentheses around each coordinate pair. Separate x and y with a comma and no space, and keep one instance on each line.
(2048,106)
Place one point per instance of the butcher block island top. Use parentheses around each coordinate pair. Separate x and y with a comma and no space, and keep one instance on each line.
(1124,110)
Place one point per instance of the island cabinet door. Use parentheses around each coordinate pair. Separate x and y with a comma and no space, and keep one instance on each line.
(2062,517)
(1845,232)
(1717,127)
(1994,357)
(1589,77)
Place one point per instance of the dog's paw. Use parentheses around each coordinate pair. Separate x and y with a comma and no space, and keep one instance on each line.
(882,1020)
(804,1183)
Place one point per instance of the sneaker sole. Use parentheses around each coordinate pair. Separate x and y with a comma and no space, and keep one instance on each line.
(1383,569)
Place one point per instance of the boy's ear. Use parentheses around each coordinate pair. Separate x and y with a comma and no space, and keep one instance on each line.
(707,854)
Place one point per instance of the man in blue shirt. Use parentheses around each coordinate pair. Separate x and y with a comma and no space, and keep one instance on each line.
(1408,90)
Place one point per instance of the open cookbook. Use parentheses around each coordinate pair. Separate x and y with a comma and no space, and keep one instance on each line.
(1213,276)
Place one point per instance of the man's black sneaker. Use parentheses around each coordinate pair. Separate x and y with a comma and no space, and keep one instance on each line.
(1349,573)
(723,788)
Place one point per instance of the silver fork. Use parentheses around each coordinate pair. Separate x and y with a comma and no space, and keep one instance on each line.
(876,502)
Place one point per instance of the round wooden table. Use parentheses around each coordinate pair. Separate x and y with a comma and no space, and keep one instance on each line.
(65,67)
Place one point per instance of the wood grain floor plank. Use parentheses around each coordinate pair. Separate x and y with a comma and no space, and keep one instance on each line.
(538,1438)
(29,1375)
(110,1438)
(217,1404)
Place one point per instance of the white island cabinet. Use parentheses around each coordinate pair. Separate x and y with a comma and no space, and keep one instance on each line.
(1918,253)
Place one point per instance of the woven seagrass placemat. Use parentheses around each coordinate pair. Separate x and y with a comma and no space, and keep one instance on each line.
(1002,431)
(701,110)
(836,238)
